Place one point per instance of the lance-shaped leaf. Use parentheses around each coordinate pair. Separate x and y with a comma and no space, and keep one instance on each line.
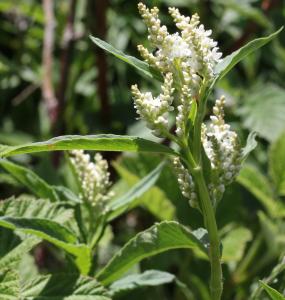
(274,295)
(231,60)
(101,142)
(128,200)
(146,279)
(159,238)
(133,61)
(54,233)
(30,179)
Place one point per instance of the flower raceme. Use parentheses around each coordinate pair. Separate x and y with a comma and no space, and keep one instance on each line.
(186,61)
(93,177)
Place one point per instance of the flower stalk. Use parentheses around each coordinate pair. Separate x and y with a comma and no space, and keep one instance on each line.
(186,61)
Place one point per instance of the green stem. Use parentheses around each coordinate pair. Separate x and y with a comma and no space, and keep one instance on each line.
(216,283)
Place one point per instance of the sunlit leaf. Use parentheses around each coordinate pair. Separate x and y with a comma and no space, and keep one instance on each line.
(101,142)
(161,237)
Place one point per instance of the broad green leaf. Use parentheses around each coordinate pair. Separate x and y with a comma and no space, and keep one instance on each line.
(231,60)
(54,233)
(234,244)
(277,164)
(9,285)
(274,295)
(101,142)
(29,179)
(263,111)
(159,238)
(129,200)
(29,207)
(147,278)
(155,200)
(133,61)
(251,144)
(64,287)
(256,183)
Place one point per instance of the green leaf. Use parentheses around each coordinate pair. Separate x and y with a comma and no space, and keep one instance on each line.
(133,61)
(274,295)
(263,111)
(256,183)
(155,200)
(129,200)
(29,207)
(277,164)
(159,238)
(147,278)
(63,287)
(231,60)
(12,248)
(101,142)
(29,179)
(54,233)
(234,244)
(9,285)
(251,144)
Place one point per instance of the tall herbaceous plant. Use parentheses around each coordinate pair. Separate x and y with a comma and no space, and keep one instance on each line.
(206,157)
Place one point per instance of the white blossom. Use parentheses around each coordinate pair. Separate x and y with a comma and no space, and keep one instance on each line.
(93,177)
(185,181)
(222,148)
(154,110)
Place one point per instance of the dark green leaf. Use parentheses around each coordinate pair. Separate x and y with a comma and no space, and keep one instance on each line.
(158,238)
(101,142)
(134,62)
(12,248)
(29,179)
(231,60)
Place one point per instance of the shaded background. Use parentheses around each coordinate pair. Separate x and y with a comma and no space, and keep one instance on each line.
(54,81)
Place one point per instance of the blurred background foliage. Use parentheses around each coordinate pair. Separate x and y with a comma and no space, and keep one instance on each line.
(54,81)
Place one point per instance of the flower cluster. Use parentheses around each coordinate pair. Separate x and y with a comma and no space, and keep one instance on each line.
(194,48)
(185,182)
(155,110)
(94,177)
(187,58)
(223,150)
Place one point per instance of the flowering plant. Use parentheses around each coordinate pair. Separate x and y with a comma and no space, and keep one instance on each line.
(206,156)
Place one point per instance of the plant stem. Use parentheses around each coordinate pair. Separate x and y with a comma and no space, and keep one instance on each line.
(216,283)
